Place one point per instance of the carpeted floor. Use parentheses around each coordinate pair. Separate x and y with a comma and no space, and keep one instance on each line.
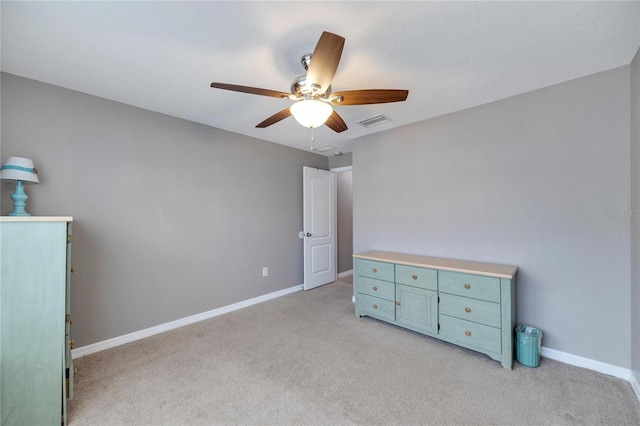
(304,359)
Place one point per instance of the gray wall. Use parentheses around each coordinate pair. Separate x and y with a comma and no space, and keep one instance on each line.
(172,218)
(635,220)
(539,180)
(345,220)
(343,160)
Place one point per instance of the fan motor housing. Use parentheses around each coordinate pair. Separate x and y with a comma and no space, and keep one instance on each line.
(300,88)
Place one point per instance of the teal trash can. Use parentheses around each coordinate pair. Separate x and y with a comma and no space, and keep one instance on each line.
(528,342)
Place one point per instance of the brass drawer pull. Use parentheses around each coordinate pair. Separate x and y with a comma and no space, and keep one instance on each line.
(398,303)
(467,310)
(468,333)
(375,270)
(375,306)
(415,277)
(467,286)
(375,288)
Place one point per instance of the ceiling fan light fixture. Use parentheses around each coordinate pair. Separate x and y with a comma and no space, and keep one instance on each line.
(312,92)
(311,112)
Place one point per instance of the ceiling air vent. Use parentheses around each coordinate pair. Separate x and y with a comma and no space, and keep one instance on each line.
(323,148)
(375,120)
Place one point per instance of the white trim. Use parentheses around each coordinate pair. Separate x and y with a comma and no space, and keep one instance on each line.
(147,332)
(345,273)
(635,385)
(341,169)
(578,361)
(600,367)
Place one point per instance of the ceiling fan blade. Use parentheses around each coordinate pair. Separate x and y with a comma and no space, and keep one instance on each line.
(369,96)
(336,123)
(251,90)
(275,118)
(324,60)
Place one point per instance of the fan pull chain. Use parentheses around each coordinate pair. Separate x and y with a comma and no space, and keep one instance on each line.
(313,139)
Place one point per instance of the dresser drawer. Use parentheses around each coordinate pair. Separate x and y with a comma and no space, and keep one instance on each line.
(468,285)
(487,313)
(417,277)
(376,307)
(471,334)
(373,269)
(377,288)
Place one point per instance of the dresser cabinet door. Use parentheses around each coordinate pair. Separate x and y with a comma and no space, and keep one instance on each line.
(417,309)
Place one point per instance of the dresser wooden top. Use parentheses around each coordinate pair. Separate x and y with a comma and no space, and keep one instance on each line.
(469,267)
(36,219)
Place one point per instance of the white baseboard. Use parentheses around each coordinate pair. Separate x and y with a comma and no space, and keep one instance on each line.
(590,364)
(345,273)
(635,385)
(600,367)
(141,334)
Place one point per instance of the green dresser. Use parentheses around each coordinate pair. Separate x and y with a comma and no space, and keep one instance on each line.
(470,304)
(36,374)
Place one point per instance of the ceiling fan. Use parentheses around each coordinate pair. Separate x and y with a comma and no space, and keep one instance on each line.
(312,92)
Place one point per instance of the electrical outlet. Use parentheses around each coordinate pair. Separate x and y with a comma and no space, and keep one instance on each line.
(265,271)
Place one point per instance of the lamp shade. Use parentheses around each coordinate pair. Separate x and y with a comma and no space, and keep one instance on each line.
(311,112)
(18,168)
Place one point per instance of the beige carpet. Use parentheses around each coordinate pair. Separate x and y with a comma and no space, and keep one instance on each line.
(305,359)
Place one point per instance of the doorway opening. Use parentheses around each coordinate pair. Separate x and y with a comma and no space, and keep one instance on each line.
(344,205)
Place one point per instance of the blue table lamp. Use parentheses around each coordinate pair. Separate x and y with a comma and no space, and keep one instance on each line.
(19,170)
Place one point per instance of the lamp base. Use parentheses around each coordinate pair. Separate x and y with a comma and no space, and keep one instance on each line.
(19,198)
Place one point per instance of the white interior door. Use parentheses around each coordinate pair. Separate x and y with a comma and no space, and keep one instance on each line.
(319,232)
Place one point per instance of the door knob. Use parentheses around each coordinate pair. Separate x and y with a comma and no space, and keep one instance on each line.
(303,234)
(308,234)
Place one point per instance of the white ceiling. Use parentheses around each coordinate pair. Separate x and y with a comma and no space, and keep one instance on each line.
(162,56)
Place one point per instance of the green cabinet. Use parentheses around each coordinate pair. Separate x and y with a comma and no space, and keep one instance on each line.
(470,304)
(417,309)
(35,359)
